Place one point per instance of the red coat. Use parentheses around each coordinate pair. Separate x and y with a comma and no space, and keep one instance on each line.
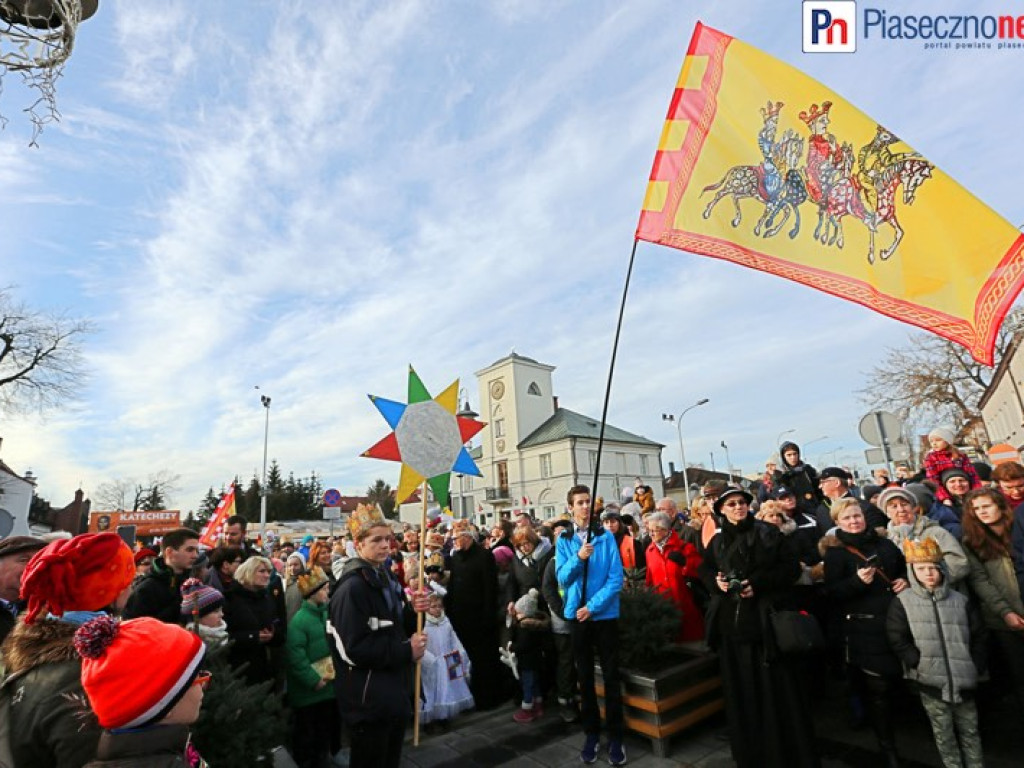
(671,578)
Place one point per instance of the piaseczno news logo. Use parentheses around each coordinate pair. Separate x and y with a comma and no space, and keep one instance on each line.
(829,26)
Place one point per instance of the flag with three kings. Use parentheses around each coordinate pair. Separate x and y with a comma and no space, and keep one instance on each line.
(761,165)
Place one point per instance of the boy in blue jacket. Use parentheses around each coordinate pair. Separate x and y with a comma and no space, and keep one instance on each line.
(589,570)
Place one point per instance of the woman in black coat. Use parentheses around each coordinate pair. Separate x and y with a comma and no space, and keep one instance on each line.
(254,620)
(748,568)
(863,573)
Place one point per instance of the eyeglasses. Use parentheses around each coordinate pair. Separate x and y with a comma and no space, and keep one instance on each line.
(203,679)
(736,503)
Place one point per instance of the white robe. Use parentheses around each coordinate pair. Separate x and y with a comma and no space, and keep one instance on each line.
(445,672)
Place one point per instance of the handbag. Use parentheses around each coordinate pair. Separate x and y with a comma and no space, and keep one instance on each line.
(796,632)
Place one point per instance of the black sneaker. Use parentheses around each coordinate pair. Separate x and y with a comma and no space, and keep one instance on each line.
(616,753)
(568,712)
(590,749)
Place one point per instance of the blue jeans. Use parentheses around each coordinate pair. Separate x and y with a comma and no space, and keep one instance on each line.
(528,681)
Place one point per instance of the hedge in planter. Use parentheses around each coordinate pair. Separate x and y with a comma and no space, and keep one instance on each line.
(648,622)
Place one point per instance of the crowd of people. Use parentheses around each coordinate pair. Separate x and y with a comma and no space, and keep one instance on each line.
(916,580)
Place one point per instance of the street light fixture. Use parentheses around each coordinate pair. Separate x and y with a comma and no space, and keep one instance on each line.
(778,440)
(467,413)
(815,440)
(265,400)
(728,461)
(682,451)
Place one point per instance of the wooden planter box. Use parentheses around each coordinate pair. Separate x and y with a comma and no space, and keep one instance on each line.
(663,703)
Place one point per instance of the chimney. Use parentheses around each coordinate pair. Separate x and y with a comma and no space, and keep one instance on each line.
(554,398)
(671,468)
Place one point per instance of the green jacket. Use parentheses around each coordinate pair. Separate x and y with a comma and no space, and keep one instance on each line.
(995,584)
(307,642)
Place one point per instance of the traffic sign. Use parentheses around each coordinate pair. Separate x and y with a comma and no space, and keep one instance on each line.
(880,427)
(897,452)
(332,497)
(1003,453)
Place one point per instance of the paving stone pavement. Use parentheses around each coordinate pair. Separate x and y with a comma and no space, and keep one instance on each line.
(494,739)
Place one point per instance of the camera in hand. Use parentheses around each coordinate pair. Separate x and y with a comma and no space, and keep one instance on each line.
(734,580)
(871,561)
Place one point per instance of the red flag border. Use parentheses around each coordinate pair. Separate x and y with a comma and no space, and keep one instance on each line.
(991,306)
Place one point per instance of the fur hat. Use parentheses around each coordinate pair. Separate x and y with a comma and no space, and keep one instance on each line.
(112,651)
(198,599)
(922,551)
(897,493)
(527,605)
(312,580)
(12,545)
(85,573)
(944,433)
(503,555)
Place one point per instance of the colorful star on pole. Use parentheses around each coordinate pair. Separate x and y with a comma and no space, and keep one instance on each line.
(427,437)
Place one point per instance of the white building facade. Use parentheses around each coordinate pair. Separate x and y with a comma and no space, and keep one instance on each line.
(1002,406)
(533,451)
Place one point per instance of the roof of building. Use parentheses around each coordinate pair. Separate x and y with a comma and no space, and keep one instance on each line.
(565,424)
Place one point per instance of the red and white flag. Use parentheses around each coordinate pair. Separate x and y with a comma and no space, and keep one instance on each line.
(215,525)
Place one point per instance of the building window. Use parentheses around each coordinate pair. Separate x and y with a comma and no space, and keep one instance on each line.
(622,461)
(501,472)
(545,465)
(499,427)
(549,512)
(644,469)
(593,460)
(533,389)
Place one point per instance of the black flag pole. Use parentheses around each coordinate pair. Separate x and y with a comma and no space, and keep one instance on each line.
(604,415)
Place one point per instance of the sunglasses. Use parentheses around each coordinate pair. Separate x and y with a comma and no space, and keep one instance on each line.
(203,679)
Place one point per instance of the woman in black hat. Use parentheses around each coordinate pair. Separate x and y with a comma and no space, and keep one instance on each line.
(747,568)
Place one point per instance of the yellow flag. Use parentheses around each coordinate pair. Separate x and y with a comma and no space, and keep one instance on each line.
(763,166)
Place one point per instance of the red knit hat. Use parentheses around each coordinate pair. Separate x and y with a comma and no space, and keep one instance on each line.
(143,553)
(112,651)
(85,573)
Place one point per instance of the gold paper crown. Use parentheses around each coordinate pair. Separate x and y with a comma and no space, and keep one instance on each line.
(922,551)
(461,526)
(435,561)
(435,540)
(310,581)
(363,519)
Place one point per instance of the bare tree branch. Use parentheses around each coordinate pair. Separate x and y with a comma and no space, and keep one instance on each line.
(934,381)
(41,364)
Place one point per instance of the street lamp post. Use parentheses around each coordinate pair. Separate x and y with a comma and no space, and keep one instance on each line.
(682,451)
(778,440)
(467,413)
(263,488)
(728,461)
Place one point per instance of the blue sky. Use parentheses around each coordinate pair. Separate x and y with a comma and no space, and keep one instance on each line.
(269,193)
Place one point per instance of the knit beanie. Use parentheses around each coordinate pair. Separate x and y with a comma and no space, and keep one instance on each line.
(944,433)
(199,599)
(949,474)
(84,573)
(115,653)
(143,553)
(503,555)
(311,581)
(924,495)
(527,604)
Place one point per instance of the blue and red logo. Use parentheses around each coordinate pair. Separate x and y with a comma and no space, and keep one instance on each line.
(829,26)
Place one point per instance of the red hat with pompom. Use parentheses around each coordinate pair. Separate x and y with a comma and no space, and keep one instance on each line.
(85,573)
(112,651)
